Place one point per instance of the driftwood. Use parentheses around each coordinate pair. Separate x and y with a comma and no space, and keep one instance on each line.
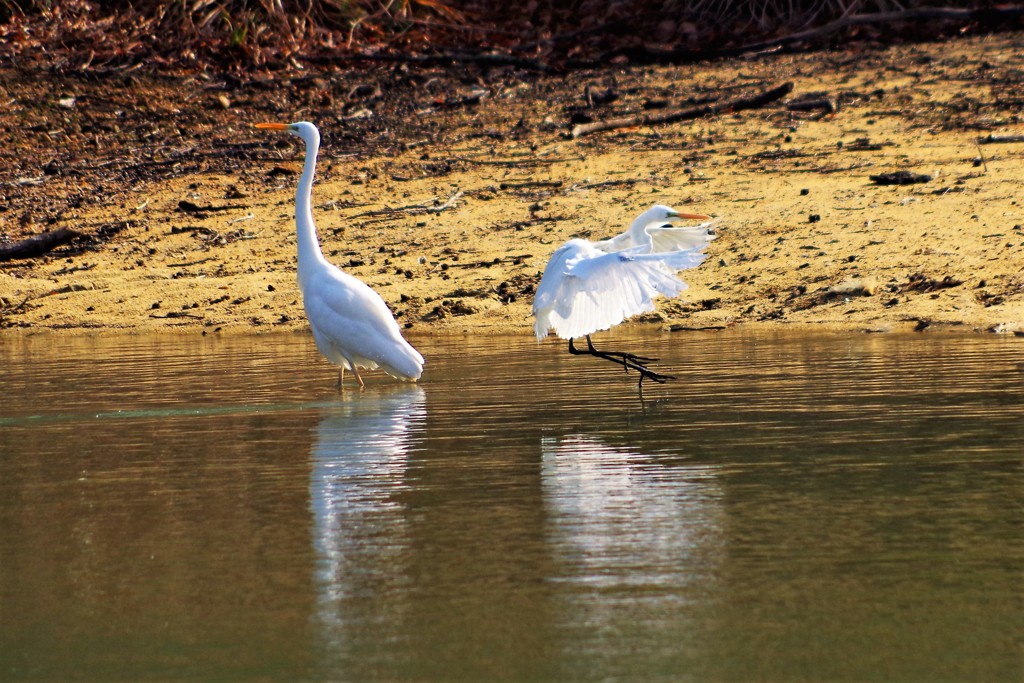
(826,105)
(38,245)
(993,139)
(900,178)
(672,115)
(530,184)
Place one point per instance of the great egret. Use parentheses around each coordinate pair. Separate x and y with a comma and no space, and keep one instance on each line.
(351,324)
(592,286)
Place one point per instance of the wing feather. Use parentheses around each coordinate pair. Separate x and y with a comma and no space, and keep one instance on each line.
(665,238)
(584,290)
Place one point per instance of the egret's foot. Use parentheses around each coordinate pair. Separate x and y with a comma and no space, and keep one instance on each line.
(654,376)
(341,378)
(640,360)
(628,361)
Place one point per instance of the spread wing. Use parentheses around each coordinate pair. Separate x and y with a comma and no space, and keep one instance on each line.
(667,238)
(584,290)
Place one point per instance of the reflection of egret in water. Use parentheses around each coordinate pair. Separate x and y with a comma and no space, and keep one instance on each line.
(638,539)
(358,473)
(615,509)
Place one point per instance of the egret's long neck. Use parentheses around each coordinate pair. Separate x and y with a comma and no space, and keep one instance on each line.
(638,230)
(309,247)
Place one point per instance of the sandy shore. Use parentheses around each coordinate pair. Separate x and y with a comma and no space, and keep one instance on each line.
(454,228)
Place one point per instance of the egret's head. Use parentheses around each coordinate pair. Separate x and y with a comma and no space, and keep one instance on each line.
(662,213)
(303,129)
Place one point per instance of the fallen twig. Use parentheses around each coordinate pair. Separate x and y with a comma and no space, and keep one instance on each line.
(900,178)
(516,260)
(516,162)
(529,183)
(452,202)
(38,245)
(863,145)
(670,116)
(175,230)
(825,104)
(67,270)
(189,207)
(831,169)
(189,263)
(576,187)
(7,308)
(176,314)
(993,139)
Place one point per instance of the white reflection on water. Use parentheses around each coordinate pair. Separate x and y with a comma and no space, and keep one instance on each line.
(358,468)
(640,543)
(621,518)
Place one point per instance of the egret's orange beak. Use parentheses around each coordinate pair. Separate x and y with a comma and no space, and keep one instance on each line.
(273,126)
(693,216)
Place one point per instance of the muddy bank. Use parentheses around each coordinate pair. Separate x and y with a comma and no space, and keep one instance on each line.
(882,193)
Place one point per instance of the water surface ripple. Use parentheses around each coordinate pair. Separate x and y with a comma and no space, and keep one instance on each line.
(792,507)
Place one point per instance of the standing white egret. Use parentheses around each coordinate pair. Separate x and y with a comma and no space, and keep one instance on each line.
(351,324)
(592,286)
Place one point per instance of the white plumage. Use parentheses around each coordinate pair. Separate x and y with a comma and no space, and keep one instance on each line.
(592,286)
(353,327)
(351,324)
(653,230)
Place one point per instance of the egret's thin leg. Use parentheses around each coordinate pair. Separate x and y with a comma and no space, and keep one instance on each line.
(358,378)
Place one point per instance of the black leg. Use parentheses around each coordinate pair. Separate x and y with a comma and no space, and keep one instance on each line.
(628,361)
(621,354)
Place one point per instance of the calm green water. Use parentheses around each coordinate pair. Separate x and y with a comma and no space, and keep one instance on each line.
(820,508)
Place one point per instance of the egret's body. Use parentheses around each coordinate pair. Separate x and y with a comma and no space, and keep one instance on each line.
(351,324)
(588,286)
(585,290)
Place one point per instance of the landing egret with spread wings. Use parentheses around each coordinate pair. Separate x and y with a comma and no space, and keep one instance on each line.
(351,324)
(592,286)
